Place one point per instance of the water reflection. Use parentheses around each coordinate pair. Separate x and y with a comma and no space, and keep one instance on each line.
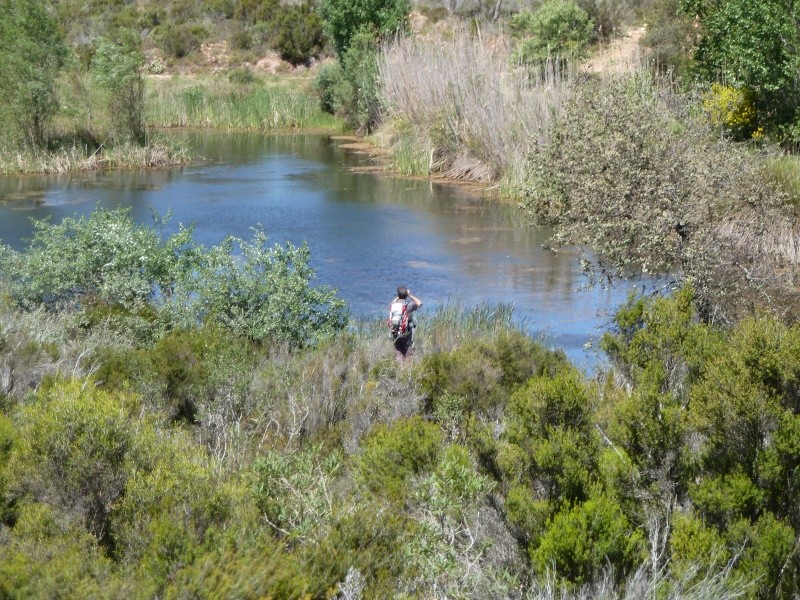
(367,232)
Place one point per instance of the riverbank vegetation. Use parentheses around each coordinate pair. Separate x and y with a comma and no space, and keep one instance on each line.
(237,101)
(240,440)
(179,421)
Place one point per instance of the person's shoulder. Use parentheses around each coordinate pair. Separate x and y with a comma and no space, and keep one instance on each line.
(411,304)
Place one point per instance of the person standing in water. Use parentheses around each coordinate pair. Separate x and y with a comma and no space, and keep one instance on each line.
(401,321)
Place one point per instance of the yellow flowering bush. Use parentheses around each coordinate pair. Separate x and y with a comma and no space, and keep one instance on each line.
(732,109)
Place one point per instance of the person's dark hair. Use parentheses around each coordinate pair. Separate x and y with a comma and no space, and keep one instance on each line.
(402,291)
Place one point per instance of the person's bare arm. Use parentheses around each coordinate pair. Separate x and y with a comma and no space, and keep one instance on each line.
(415,299)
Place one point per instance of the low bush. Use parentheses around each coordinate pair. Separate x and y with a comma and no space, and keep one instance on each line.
(48,555)
(242,76)
(75,454)
(483,374)
(180,40)
(394,454)
(549,440)
(695,548)
(732,110)
(291,489)
(109,260)
(582,540)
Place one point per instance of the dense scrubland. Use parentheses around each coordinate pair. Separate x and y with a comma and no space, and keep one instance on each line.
(180,421)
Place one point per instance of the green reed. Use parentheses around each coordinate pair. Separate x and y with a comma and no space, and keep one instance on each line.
(219,104)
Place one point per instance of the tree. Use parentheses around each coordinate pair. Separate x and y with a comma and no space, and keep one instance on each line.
(32,53)
(345,18)
(117,69)
(754,47)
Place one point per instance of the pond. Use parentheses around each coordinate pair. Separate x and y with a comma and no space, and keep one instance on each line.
(367,232)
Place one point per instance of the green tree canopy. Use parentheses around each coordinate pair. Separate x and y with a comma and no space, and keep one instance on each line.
(344,18)
(116,69)
(756,46)
(32,53)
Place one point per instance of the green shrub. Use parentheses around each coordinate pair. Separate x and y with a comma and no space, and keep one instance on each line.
(368,539)
(274,298)
(528,516)
(347,19)
(291,489)
(483,374)
(771,557)
(695,548)
(745,393)
(298,33)
(583,541)
(181,40)
(242,76)
(110,260)
(7,437)
(325,81)
(779,469)
(549,438)
(394,454)
(106,257)
(254,11)
(174,506)
(557,29)
(241,39)
(222,8)
(442,546)
(47,555)
(660,343)
(238,570)
(725,499)
(74,449)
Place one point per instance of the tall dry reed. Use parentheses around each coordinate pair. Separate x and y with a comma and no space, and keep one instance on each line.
(469,111)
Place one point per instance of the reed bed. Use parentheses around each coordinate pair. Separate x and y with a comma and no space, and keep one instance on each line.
(464,110)
(79,157)
(220,104)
